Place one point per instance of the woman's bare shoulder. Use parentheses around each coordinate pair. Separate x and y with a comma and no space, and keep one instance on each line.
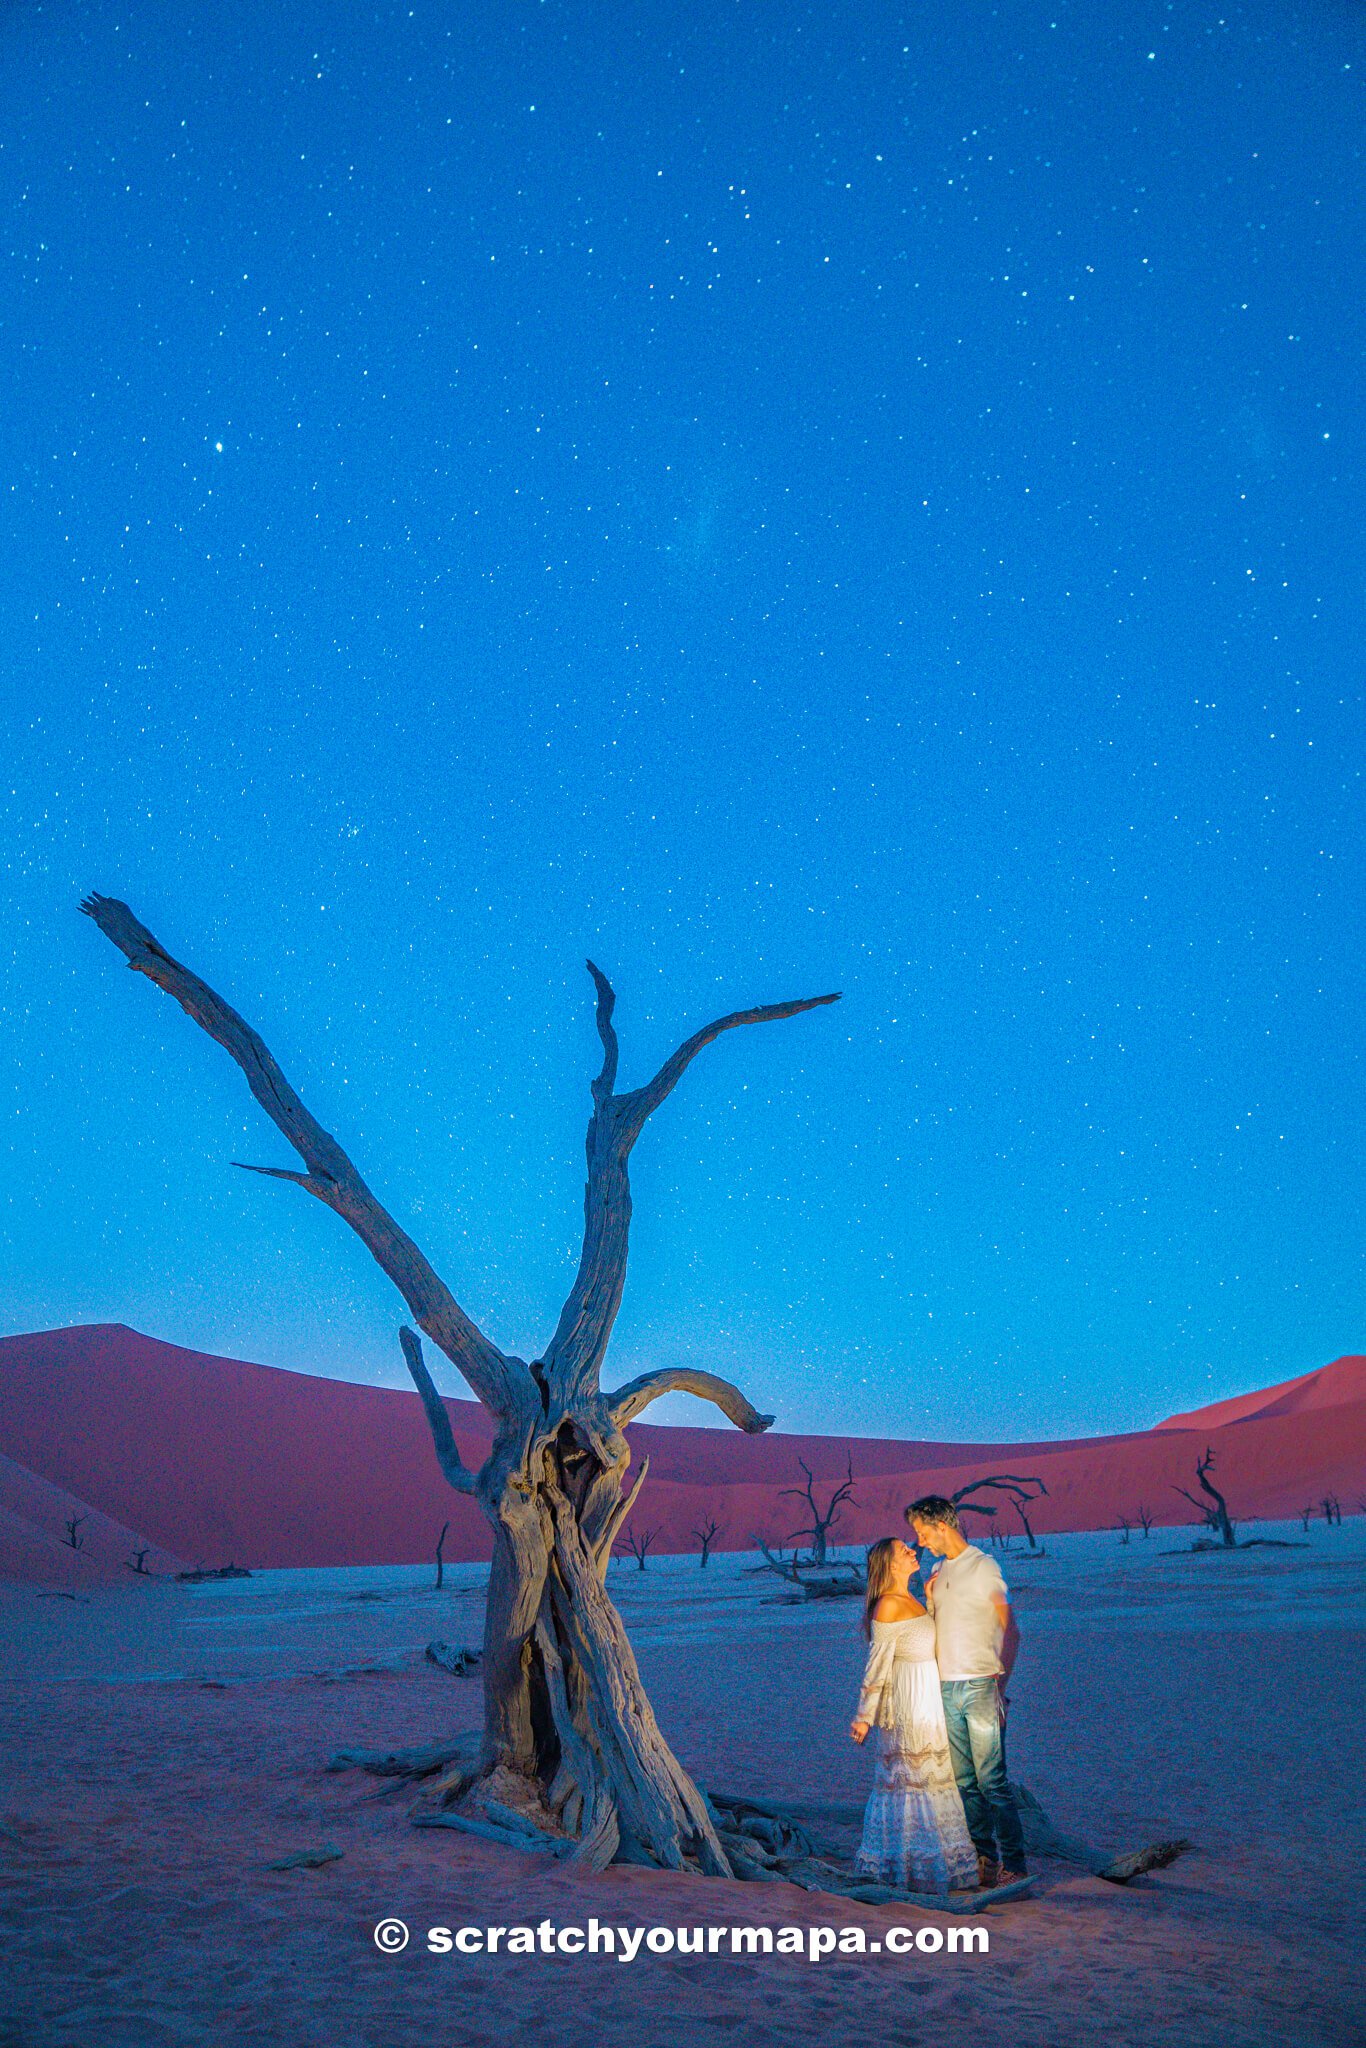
(897,1607)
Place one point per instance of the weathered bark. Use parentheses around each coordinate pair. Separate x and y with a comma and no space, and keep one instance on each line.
(571,1749)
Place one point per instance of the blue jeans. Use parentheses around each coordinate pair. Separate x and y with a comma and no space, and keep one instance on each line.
(978,1746)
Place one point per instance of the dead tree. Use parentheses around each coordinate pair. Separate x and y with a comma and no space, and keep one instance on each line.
(137,1563)
(1332,1509)
(820,1525)
(706,1536)
(1306,1515)
(1214,1509)
(639,1542)
(569,1733)
(74,1540)
(1124,1525)
(440,1560)
(1022,1491)
(1145,1519)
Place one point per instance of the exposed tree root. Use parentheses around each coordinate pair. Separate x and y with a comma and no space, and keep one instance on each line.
(763,1843)
(1043,1839)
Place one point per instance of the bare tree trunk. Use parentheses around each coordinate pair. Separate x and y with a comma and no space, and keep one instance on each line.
(706,1536)
(820,1525)
(1214,1508)
(570,1744)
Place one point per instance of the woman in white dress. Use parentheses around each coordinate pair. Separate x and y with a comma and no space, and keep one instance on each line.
(914,1833)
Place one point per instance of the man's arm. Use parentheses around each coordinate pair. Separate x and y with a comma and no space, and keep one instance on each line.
(1010,1636)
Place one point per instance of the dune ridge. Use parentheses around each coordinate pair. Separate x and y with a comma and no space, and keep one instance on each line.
(259,1466)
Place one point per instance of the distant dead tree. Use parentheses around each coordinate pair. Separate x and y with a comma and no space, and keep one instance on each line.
(74,1539)
(1332,1509)
(440,1560)
(639,1542)
(706,1535)
(1022,1491)
(1213,1510)
(137,1563)
(1145,1519)
(568,1724)
(1305,1517)
(1124,1525)
(822,1521)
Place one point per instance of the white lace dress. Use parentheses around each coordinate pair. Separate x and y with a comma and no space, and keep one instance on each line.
(914,1833)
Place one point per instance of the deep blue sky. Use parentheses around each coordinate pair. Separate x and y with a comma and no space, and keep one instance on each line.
(778,498)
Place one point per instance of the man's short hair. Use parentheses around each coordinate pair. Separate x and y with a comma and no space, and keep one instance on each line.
(932,1507)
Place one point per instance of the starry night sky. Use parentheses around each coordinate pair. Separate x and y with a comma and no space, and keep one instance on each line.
(778,498)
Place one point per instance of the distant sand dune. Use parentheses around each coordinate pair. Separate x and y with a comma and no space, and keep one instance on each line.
(218,1460)
(33,1521)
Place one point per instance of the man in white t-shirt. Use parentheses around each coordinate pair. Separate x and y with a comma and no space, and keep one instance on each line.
(975,1640)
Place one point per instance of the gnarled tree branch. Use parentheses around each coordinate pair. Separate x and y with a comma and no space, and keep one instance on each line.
(636,1107)
(627,1402)
(331,1175)
(607,1002)
(457,1472)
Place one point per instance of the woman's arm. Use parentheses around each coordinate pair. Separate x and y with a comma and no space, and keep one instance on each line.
(876,1673)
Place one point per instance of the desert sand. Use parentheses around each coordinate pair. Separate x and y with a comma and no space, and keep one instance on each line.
(165,1743)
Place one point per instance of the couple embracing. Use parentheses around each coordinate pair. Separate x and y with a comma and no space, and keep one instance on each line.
(942,1816)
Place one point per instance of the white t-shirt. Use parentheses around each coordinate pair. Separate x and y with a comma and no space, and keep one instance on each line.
(967,1632)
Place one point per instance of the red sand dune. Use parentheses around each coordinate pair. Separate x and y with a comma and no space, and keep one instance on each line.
(220,1461)
(35,1517)
(1332,1386)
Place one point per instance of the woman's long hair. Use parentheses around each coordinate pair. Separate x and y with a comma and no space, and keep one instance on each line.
(882,1575)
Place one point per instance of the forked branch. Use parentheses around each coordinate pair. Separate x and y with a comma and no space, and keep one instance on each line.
(643,1102)
(575,1351)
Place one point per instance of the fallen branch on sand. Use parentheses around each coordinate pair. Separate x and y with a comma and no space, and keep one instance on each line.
(458,1662)
(819,1589)
(785,1568)
(308,1859)
(421,1761)
(1043,1839)
(1203,1546)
